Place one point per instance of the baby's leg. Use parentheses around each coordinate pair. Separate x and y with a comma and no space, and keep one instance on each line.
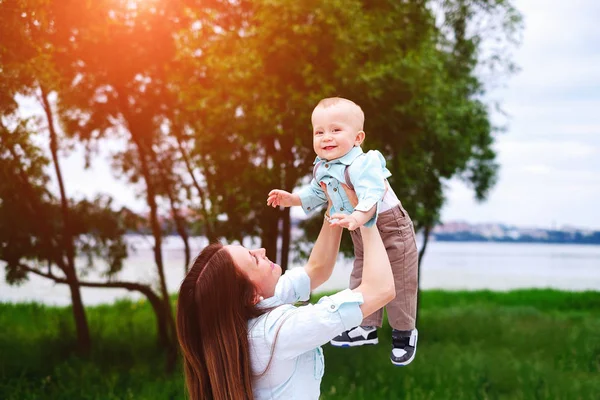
(376,318)
(399,239)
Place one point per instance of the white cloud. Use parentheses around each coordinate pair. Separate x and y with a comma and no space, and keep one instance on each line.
(550,155)
(560,154)
(538,169)
(580,129)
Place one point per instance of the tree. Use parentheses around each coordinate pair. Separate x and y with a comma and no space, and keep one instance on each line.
(250,90)
(31,217)
(257,83)
(48,58)
(116,86)
(34,238)
(117,60)
(425,107)
(24,62)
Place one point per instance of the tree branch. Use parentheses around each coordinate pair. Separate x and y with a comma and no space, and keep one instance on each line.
(131,286)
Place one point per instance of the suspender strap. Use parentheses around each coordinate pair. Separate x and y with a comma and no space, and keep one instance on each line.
(347,178)
(347,174)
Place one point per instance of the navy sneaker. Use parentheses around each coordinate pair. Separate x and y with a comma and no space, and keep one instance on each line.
(404,347)
(358,336)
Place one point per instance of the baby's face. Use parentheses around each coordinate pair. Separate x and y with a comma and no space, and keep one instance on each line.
(335,131)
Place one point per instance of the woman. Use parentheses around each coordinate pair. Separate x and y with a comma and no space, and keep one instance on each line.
(241,337)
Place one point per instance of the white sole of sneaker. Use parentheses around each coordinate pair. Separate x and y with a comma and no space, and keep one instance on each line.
(354,344)
(402,364)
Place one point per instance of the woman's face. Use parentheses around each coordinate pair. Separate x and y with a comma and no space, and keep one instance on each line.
(261,271)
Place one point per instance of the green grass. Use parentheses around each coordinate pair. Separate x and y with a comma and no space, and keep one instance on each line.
(526,344)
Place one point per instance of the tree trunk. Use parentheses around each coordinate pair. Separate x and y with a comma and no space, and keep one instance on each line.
(288,184)
(81,325)
(144,158)
(158,259)
(426,232)
(270,232)
(285,239)
(179,222)
(210,233)
(182,232)
(153,299)
(186,244)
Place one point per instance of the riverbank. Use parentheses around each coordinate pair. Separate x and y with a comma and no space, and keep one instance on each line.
(446,266)
(523,344)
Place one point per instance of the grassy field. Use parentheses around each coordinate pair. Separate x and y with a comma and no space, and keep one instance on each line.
(528,344)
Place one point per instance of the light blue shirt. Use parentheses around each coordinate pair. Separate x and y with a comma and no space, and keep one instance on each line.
(297,363)
(367,173)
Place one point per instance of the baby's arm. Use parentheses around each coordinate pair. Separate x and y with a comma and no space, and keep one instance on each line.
(279,197)
(351,221)
(360,218)
(309,198)
(312,196)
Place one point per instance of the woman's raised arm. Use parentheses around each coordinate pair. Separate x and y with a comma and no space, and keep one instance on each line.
(377,285)
(323,255)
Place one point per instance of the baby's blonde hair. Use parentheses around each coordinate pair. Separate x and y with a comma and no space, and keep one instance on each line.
(356,110)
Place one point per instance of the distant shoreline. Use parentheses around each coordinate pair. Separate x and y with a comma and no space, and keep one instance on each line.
(470,238)
(458,237)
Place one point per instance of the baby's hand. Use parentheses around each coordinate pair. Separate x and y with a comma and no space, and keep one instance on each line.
(282,198)
(345,221)
(350,222)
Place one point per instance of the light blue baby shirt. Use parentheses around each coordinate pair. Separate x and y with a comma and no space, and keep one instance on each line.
(367,173)
(297,363)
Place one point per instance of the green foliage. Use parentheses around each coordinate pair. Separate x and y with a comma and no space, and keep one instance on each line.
(20,55)
(419,83)
(523,344)
(220,93)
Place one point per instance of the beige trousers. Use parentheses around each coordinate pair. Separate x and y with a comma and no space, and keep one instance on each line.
(398,235)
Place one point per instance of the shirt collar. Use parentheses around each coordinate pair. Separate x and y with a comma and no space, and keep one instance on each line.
(270,302)
(346,159)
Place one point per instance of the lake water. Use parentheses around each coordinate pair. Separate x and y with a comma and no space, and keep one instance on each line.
(446,265)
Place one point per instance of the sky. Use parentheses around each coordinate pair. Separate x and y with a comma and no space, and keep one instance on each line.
(549,154)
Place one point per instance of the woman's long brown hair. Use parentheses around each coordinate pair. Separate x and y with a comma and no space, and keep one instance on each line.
(215,302)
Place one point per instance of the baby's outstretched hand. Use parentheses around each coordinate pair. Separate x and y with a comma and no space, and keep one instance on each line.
(282,198)
(347,221)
